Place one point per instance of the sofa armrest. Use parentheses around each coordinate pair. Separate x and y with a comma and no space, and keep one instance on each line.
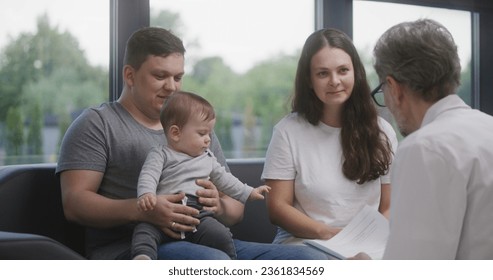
(30,202)
(23,246)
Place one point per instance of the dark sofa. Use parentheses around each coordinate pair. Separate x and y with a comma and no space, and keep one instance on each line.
(32,224)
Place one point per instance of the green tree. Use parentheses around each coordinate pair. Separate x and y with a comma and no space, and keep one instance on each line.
(168,20)
(14,132)
(63,123)
(258,98)
(34,56)
(64,91)
(46,70)
(172,21)
(217,82)
(34,134)
(268,86)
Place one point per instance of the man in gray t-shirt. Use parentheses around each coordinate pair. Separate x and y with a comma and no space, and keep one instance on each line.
(108,140)
(104,149)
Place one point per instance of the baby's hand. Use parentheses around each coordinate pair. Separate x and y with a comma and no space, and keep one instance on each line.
(146,202)
(257,193)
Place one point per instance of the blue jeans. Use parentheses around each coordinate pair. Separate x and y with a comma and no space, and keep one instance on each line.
(182,250)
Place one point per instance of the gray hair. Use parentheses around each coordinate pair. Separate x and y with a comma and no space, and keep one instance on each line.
(422,55)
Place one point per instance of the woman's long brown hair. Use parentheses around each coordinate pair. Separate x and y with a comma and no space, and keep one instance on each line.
(366,148)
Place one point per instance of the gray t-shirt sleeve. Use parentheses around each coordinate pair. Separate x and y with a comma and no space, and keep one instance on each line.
(107,139)
(83,146)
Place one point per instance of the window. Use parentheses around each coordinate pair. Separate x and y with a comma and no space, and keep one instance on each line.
(242,57)
(371,19)
(53,63)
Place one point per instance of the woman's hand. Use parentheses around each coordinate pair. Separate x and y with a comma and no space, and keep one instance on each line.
(328,231)
(360,256)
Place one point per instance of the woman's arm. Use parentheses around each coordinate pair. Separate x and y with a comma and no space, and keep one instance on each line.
(384,206)
(284,214)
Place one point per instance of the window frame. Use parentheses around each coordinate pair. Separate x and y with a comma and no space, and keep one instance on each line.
(127,16)
(338,13)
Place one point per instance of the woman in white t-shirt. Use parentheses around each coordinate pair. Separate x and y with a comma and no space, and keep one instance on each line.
(330,157)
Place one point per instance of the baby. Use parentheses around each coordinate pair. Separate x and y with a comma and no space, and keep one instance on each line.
(188,121)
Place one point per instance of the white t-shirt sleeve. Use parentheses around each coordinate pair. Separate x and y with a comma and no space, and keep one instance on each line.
(279,163)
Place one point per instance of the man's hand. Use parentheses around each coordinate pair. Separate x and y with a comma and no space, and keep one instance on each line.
(171,216)
(226,209)
(209,196)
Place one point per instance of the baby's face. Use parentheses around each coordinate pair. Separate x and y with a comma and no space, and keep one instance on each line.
(196,136)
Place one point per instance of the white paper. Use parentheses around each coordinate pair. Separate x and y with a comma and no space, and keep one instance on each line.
(366,232)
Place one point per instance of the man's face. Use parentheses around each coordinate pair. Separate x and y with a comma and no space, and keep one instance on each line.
(156,79)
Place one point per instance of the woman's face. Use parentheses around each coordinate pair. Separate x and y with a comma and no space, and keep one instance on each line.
(332,76)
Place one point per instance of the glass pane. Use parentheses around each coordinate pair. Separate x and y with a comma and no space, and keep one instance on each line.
(241,56)
(54,58)
(371,19)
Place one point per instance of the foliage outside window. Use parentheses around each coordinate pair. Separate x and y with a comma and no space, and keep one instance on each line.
(365,36)
(45,79)
(250,101)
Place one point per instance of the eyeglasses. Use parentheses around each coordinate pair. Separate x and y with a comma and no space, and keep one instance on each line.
(377,95)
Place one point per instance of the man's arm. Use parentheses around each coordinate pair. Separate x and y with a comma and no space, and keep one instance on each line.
(82,204)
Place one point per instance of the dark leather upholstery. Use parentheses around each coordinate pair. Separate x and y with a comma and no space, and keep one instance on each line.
(24,246)
(30,202)
(33,226)
(255,225)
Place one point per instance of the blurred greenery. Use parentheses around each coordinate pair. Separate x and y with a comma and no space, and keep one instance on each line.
(15,131)
(252,102)
(45,75)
